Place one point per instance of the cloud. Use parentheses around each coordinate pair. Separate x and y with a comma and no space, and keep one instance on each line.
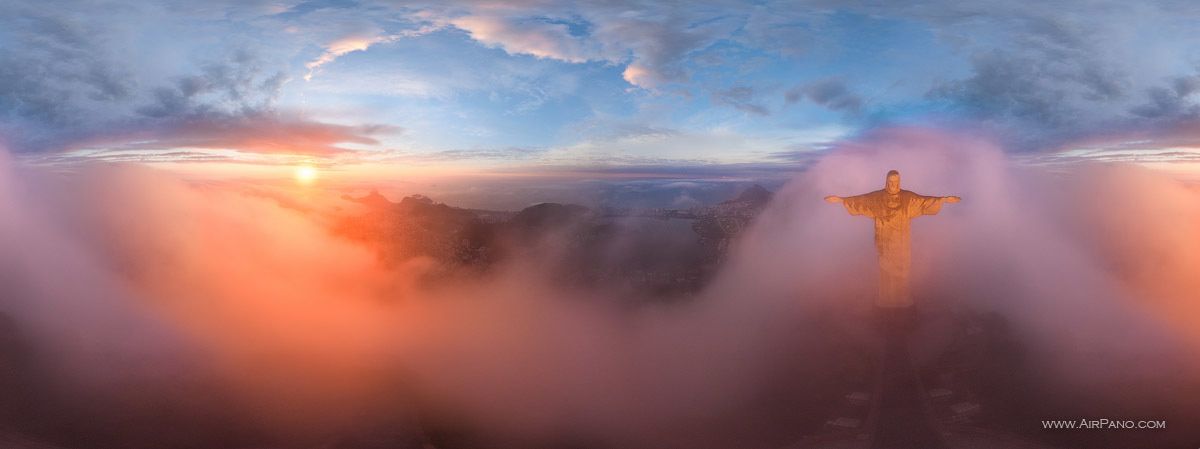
(53,72)
(741,98)
(474,154)
(1065,74)
(1005,85)
(238,85)
(786,28)
(65,88)
(250,133)
(1171,101)
(830,93)
(652,41)
(526,36)
(359,42)
(1151,140)
(195,306)
(659,47)
(235,307)
(88,75)
(1042,75)
(658,147)
(338,48)
(228,105)
(614,128)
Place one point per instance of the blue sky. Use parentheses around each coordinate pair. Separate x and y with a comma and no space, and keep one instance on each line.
(503,85)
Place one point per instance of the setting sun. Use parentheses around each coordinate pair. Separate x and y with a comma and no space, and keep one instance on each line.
(306,174)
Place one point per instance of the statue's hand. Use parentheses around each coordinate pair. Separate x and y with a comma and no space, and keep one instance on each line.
(953,199)
(833,199)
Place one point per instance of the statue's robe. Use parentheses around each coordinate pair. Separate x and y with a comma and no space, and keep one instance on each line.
(892,214)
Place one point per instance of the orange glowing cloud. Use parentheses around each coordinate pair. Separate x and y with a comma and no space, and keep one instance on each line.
(639,76)
(254,134)
(301,327)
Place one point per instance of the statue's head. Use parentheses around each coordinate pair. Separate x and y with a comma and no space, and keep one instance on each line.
(892,185)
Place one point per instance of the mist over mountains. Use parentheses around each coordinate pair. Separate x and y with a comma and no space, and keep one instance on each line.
(644,251)
(146,311)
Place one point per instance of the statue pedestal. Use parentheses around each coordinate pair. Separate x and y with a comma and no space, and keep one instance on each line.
(902,418)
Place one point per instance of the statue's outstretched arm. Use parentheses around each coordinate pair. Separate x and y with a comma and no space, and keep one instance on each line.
(857,204)
(928,205)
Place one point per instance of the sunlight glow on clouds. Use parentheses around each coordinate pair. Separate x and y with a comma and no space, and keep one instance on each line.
(339,48)
(543,40)
(479,78)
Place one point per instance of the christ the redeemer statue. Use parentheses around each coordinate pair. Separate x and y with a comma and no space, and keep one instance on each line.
(892,209)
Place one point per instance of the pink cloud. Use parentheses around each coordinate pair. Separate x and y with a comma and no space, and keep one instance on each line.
(256,134)
(338,48)
(543,40)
